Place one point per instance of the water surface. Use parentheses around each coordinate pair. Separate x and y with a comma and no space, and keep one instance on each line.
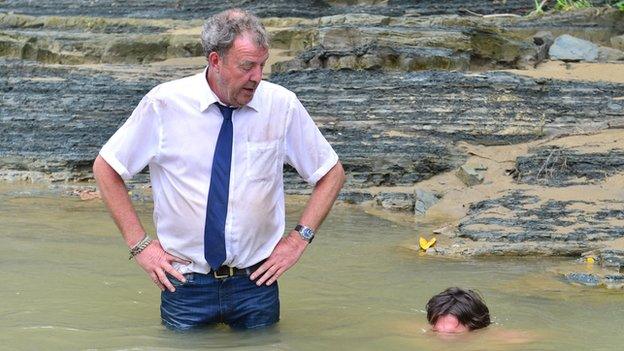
(68,285)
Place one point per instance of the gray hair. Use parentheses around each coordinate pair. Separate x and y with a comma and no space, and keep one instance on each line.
(221,30)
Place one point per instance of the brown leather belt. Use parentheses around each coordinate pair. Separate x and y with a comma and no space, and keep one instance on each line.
(227,271)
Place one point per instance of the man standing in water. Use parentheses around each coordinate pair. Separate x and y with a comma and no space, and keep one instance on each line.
(215,144)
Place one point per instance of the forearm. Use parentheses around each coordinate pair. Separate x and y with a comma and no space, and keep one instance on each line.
(291,247)
(115,195)
(323,197)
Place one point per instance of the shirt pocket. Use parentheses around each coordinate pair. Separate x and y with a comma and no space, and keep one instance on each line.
(263,159)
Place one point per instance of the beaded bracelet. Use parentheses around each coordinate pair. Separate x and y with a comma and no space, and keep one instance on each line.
(140,246)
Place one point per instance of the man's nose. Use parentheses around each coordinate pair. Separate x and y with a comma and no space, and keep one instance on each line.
(256,74)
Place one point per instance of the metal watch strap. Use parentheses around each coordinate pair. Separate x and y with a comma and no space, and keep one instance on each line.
(306,233)
(140,246)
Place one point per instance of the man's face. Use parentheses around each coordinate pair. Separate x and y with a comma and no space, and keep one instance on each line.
(448,323)
(239,72)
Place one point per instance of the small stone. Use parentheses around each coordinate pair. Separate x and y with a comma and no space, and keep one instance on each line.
(569,48)
(395,201)
(439,230)
(543,41)
(543,38)
(354,197)
(586,279)
(614,281)
(606,54)
(478,166)
(469,175)
(423,200)
(618,42)
(448,231)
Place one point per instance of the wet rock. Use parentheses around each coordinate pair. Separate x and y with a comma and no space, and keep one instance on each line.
(607,257)
(586,279)
(395,201)
(554,166)
(543,226)
(470,175)
(491,44)
(603,267)
(618,42)
(506,248)
(614,281)
(569,48)
(600,278)
(606,54)
(543,40)
(423,200)
(354,197)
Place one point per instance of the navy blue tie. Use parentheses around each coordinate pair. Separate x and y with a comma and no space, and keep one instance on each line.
(216,212)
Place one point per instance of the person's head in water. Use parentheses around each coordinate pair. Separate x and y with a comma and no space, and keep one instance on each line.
(457,310)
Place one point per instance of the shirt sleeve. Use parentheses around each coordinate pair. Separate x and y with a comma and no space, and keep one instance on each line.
(136,142)
(306,148)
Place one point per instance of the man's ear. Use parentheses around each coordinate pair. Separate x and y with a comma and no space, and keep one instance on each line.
(214,60)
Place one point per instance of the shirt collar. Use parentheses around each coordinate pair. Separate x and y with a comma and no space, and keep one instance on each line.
(207,97)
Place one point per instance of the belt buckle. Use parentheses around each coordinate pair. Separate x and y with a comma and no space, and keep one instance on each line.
(230,273)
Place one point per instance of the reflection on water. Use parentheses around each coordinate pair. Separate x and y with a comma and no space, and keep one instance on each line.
(68,285)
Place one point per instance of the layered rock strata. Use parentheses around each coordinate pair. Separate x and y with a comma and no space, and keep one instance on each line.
(54,119)
(399,128)
(444,42)
(399,93)
(564,167)
(274,8)
(527,224)
(357,41)
(385,135)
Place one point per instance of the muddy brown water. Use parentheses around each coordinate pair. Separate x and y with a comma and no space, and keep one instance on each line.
(68,285)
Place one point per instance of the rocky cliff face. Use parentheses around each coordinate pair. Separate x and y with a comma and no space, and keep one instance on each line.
(273,8)
(400,128)
(56,118)
(398,87)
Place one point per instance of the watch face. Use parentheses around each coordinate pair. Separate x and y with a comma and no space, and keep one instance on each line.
(307,233)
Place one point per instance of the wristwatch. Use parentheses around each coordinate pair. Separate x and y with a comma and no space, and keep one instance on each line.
(306,233)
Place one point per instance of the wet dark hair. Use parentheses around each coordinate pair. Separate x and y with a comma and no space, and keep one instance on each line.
(466,305)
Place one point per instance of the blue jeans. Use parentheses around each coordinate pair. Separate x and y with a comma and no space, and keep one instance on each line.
(204,300)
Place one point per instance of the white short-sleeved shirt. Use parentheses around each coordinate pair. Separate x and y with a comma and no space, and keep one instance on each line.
(174,130)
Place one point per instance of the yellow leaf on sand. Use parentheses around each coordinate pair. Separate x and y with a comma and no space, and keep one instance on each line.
(590,260)
(424,244)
